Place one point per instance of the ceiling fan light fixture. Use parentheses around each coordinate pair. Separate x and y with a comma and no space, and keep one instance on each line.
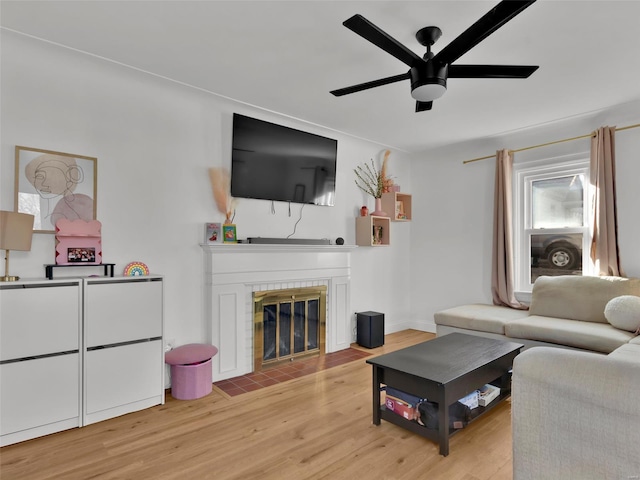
(428,81)
(428,92)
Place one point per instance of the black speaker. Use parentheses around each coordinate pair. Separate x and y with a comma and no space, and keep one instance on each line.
(370,329)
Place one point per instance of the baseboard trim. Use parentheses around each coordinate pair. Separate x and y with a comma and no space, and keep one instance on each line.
(422,326)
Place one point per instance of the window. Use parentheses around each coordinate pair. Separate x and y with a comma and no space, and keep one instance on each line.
(551,220)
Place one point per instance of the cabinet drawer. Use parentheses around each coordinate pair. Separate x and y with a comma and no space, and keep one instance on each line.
(39,392)
(39,320)
(122,311)
(125,374)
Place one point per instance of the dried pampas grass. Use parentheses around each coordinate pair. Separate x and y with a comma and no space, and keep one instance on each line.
(221,186)
(387,181)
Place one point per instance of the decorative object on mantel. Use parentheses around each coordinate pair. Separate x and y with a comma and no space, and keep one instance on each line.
(213,233)
(221,185)
(135,269)
(78,242)
(229,233)
(16,231)
(374,182)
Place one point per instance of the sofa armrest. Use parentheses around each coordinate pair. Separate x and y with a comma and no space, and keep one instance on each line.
(575,415)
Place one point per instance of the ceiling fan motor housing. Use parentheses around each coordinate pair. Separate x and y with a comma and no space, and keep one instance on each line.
(428,81)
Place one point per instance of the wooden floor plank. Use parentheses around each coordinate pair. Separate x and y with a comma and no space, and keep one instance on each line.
(314,427)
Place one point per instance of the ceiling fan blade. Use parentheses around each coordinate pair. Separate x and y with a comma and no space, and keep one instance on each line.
(369,31)
(489,23)
(491,71)
(372,84)
(423,106)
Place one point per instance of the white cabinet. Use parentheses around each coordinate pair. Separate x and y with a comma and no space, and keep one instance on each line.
(123,379)
(40,358)
(122,310)
(123,358)
(75,352)
(39,397)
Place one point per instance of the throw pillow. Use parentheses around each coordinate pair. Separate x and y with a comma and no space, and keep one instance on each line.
(623,312)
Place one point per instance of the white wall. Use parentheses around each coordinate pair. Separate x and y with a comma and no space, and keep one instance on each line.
(154,141)
(451,234)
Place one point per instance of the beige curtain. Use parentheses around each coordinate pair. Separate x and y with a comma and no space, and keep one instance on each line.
(604,243)
(502,271)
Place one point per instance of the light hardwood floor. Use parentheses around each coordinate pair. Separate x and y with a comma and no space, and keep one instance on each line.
(314,427)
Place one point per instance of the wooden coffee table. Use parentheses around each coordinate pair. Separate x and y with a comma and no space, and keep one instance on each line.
(443,370)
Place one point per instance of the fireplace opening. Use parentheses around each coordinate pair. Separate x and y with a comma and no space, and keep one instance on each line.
(288,324)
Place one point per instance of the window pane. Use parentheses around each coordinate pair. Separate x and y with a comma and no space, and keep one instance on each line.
(556,254)
(557,202)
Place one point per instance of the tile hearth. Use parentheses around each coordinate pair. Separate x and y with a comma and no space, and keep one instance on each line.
(289,371)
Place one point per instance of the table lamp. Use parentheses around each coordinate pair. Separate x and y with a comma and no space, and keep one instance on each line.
(16,230)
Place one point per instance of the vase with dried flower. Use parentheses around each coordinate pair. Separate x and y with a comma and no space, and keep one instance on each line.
(374,182)
(221,186)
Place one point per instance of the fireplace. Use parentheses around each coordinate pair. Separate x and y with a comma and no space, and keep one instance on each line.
(235,273)
(288,324)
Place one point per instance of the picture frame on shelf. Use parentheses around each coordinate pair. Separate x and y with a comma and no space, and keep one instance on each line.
(229,234)
(53,185)
(81,255)
(213,233)
(400,215)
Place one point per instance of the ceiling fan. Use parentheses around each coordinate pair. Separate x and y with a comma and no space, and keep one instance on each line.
(429,74)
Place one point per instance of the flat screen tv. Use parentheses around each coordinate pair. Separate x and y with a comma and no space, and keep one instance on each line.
(273,162)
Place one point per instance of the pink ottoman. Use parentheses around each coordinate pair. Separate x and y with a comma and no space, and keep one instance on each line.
(191,370)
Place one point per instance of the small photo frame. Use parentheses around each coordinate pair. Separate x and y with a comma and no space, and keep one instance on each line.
(213,233)
(81,255)
(229,234)
(400,215)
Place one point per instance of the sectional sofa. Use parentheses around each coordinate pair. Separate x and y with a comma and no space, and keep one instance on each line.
(574,409)
(565,311)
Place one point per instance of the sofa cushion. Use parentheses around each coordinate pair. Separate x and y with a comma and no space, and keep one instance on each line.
(623,312)
(586,335)
(480,317)
(627,351)
(635,341)
(578,297)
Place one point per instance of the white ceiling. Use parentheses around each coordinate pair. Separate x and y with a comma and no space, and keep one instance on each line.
(285,56)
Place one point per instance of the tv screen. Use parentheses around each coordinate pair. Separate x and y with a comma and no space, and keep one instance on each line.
(273,162)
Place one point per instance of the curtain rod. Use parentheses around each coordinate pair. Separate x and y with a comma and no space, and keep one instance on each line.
(550,143)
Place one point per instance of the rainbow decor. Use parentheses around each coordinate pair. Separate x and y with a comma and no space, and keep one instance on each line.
(136,269)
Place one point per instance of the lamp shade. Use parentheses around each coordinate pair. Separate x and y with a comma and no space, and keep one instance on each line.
(16,230)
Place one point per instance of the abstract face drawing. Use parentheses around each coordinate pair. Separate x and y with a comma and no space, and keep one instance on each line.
(55,178)
(54,175)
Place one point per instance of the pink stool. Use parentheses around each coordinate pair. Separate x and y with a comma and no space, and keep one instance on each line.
(191,370)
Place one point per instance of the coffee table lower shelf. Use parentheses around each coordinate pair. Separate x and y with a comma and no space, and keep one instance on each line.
(433,434)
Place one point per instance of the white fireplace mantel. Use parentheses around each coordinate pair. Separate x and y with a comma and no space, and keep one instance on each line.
(234,271)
